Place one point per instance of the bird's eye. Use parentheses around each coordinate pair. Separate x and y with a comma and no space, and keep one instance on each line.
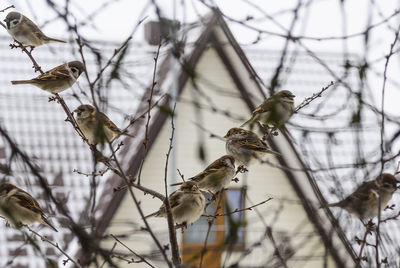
(386,185)
(14,22)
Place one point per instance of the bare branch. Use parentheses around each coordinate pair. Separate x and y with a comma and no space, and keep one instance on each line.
(2,10)
(239,210)
(141,259)
(176,259)
(153,84)
(55,245)
(308,100)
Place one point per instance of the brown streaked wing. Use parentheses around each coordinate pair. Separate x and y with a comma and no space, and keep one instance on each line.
(55,73)
(173,201)
(212,168)
(34,29)
(363,192)
(107,122)
(204,174)
(253,145)
(174,198)
(27,201)
(265,106)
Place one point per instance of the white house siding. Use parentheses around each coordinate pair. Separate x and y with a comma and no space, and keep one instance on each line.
(284,213)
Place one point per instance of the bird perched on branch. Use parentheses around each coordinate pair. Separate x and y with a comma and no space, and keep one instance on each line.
(216,176)
(187,204)
(19,207)
(364,201)
(25,31)
(274,111)
(57,79)
(96,126)
(245,146)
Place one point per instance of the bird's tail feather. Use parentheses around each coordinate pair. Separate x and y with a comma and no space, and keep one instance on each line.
(47,222)
(247,122)
(151,215)
(273,152)
(176,184)
(127,134)
(21,82)
(56,40)
(124,132)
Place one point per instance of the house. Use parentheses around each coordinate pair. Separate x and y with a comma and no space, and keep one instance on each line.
(288,229)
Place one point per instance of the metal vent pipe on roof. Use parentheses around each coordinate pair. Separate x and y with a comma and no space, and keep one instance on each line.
(156,31)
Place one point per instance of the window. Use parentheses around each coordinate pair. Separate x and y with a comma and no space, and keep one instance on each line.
(227,232)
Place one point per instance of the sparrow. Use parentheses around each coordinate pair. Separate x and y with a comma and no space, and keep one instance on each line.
(274,111)
(19,207)
(25,31)
(245,146)
(187,204)
(57,79)
(216,176)
(96,126)
(364,201)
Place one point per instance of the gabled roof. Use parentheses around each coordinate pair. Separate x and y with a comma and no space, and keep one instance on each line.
(215,33)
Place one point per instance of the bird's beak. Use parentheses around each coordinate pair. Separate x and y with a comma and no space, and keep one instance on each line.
(226,136)
(195,188)
(77,111)
(292,95)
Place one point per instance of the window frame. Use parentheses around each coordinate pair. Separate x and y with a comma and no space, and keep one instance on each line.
(219,246)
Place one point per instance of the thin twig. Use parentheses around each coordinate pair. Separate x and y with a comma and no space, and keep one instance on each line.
(239,210)
(294,38)
(116,52)
(394,217)
(145,190)
(12,6)
(55,245)
(363,242)
(181,175)
(100,173)
(134,253)
(308,100)
(153,84)
(35,64)
(150,107)
(176,259)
